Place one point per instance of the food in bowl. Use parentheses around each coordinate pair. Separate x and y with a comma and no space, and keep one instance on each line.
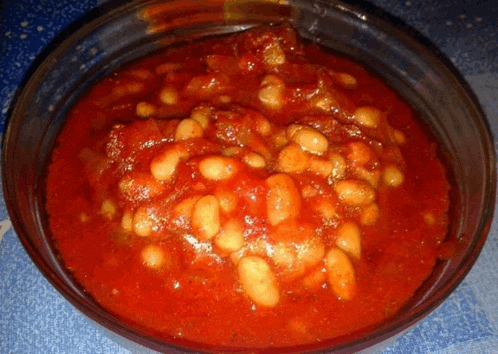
(247,191)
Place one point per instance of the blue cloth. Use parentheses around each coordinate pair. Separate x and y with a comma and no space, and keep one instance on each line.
(34,318)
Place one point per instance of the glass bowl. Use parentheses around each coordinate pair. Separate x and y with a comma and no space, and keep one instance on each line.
(117,33)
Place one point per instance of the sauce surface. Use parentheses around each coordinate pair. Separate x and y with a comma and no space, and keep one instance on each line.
(247,191)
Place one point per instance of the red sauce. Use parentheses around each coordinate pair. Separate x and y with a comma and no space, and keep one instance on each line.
(292,159)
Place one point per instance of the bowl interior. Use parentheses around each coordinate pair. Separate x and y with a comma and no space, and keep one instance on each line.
(91,49)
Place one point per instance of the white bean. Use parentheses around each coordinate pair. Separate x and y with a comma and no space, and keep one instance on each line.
(310,252)
(370,214)
(399,136)
(236,256)
(188,129)
(271,92)
(341,274)
(153,257)
(368,116)
(183,210)
(347,80)
(168,67)
(127,221)
(370,176)
(84,217)
(202,115)
(134,87)
(338,167)
(291,231)
(321,167)
(292,129)
(206,217)
(280,139)
(308,191)
(355,193)
(392,176)
(349,239)
(429,218)
(284,254)
(271,97)
(262,125)
(315,279)
(122,90)
(217,168)
(272,80)
(258,281)
(108,208)
(145,109)
(292,159)
(311,140)
(225,99)
(231,151)
(273,55)
(326,209)
(143,222)
(283,199)
(169,96)
(359,153)
(257,247)
(231,236)
(163,167)
(143,74)
(227,199)
(325,102)
(254,160)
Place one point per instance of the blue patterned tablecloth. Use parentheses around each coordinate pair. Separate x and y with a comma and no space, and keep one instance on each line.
(34,318)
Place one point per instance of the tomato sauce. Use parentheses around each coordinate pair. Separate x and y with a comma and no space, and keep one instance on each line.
(247,191)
